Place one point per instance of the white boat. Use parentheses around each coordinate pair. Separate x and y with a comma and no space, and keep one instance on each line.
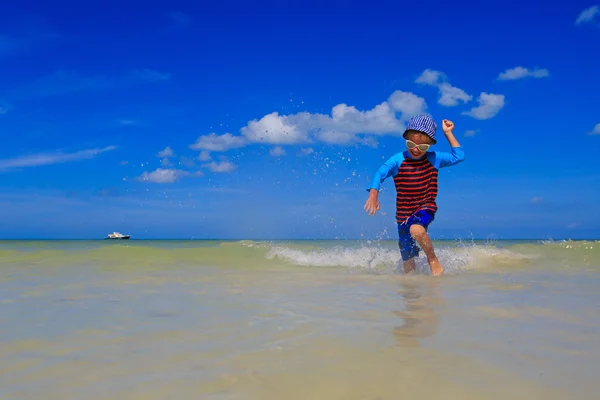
(117,235)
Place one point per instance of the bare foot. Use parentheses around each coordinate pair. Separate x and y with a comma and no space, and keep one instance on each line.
(409,266)
(436,267)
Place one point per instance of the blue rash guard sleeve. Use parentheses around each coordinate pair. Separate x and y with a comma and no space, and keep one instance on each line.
(441,159)
(389,168)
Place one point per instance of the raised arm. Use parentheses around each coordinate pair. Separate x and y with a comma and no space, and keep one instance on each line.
(456,155)
(448,128)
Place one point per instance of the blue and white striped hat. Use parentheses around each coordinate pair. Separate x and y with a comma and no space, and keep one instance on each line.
(424,124)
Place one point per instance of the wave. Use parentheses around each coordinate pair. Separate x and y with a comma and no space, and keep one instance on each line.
(387,260)
(378,257)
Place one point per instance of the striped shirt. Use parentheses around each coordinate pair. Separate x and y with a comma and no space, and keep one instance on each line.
(416,180)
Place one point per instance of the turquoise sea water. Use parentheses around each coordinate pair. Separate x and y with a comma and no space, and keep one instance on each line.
(297,319)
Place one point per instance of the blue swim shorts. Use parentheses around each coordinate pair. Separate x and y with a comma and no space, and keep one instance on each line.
(408,246)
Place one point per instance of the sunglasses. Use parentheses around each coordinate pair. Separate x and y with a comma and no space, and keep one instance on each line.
(422,147)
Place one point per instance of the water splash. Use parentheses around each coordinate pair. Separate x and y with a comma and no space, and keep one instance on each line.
(380,259)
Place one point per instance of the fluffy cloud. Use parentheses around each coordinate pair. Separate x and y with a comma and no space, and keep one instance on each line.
(166,152)
(36,160)
(341,127)
(166,175)
(187,162)
(430,77)
(588,16)
(596,130)
(214,142)
(450,96)
(336,137)
(223,166)
(521,72)
(406,103)
(204,155)
(276,129)
(489,105)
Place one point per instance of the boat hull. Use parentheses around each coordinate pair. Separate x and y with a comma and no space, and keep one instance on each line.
(117,238)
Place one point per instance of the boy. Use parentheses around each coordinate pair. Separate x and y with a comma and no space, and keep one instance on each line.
(415,173)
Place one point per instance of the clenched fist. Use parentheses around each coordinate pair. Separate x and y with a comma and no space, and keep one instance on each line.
(447,126)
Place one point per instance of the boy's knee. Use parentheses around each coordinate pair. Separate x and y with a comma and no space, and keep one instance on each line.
(417,231)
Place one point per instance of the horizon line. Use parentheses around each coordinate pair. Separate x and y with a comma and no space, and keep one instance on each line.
(296,239)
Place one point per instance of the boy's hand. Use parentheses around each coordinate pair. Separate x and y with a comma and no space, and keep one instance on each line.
(447,126)
(372,205)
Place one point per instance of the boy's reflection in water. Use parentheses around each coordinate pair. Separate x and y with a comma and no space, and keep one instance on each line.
(421,317)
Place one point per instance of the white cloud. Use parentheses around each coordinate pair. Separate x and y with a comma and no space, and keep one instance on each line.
(430,77)
(489,105)
(450,96)
(341,127)
(522,72)
(470,132)
(277,151)
(164,175)
(588,15)
(214,142)
(223,166)
(596,130)
(307,151)
(36,160)
(276,129)
(406,103)
(337,137)
(204,155)
(187,162)
(166,152)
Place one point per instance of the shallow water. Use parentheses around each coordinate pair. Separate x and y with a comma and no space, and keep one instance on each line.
(297,320)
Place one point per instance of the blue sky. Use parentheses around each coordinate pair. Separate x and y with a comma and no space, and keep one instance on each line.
(268,120)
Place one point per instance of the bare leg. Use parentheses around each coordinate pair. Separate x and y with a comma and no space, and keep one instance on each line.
(419,233)
(409,266)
